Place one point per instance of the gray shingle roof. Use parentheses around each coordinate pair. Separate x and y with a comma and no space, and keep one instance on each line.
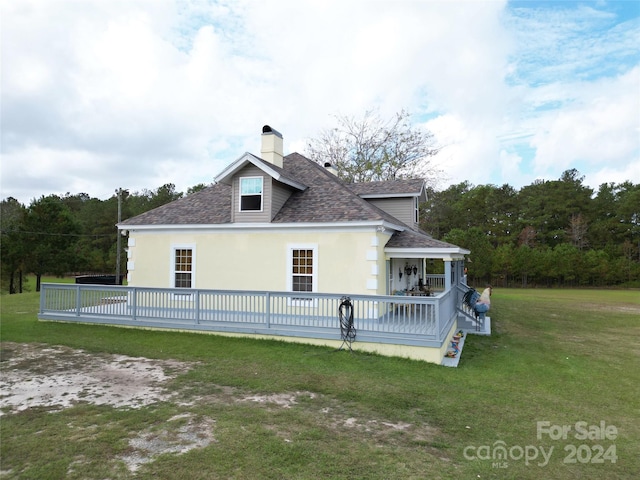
(209,206)
(327,199)
(416,239)
(409,186)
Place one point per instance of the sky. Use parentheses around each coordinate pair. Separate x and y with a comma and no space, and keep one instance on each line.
(98,95)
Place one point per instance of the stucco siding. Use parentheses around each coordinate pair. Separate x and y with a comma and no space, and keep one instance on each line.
(347,262)
(425,354)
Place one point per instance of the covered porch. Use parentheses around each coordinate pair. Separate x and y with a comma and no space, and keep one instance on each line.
(423,276)
(424,270)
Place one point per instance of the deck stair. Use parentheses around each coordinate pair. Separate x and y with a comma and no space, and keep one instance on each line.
(469,322)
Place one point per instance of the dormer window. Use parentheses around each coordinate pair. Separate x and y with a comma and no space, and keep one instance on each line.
(251,194)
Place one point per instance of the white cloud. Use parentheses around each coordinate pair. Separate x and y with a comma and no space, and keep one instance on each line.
(138,94)
(510,167)
(576,85)
(470,152)
(599,127)
(615,174)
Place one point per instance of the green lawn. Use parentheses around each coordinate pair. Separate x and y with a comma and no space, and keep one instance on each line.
(29,282)
(564,357)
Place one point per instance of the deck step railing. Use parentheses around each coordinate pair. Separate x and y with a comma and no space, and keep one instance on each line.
(391,319)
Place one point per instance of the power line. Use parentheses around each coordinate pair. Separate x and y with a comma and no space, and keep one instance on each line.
(25,232)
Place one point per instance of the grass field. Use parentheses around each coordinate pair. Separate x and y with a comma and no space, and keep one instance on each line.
(29,283)
(564,357)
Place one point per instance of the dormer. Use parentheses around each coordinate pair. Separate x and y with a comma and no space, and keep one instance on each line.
(259,186)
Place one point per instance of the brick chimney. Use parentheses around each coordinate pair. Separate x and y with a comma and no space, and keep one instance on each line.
(271,150)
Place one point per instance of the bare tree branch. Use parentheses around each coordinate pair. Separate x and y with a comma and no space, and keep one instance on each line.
(370,149)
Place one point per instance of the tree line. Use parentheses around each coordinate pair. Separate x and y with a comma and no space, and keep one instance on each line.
(72,233)
(549,233)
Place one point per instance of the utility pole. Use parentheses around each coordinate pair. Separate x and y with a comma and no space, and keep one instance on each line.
(119,192)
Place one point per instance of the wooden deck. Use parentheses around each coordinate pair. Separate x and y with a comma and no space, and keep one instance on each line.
(411,321)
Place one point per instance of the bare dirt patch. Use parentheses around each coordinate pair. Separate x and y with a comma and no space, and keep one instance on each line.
(284,400)
(59,377)
(182,433)
(36,375)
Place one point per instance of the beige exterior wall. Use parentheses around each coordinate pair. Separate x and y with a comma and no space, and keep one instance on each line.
(350,262)
(425,354)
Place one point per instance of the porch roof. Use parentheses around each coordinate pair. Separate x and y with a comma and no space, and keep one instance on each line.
(417,244)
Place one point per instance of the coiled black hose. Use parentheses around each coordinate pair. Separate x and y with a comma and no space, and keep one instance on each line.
(347,330)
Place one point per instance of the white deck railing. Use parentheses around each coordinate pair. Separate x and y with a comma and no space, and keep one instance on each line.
(404,320)
(434,281)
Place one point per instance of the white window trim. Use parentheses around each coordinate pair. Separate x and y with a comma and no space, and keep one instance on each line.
(172,267)
(312,302)
(240,194)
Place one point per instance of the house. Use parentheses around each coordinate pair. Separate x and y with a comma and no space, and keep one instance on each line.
(280,247)
(285,223)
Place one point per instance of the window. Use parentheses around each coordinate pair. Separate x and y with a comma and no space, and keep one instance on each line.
(416,210)
(183,267)
(302,270)
(250,194)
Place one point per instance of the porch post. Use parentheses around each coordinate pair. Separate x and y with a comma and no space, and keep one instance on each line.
(455,277)
(447,274)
